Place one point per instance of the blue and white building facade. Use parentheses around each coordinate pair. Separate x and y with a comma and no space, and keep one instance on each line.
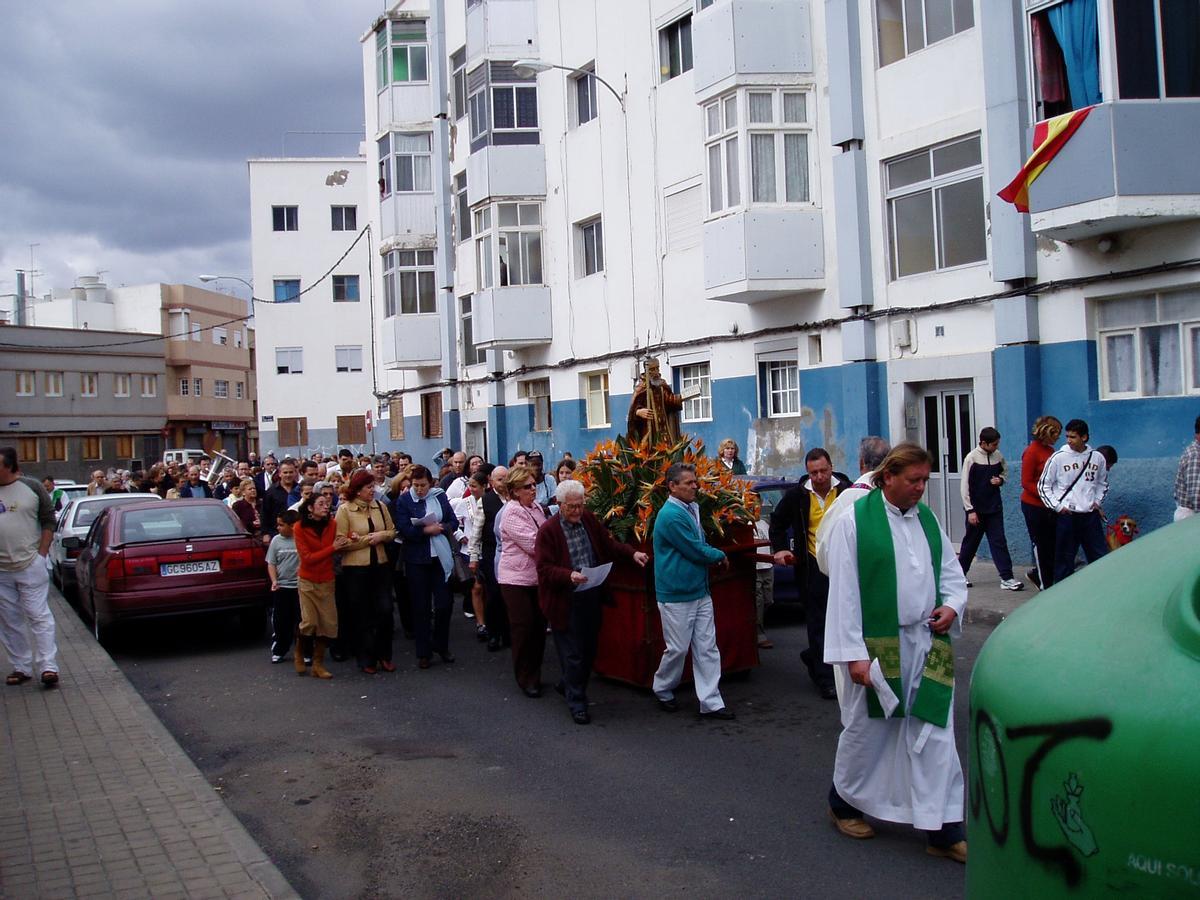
(792,203)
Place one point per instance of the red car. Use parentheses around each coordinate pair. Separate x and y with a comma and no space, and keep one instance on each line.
(153,559)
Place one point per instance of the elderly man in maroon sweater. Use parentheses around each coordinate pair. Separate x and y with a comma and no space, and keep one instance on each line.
(567,543)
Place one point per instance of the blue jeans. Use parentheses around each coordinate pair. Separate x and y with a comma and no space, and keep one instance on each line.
(1076,530)
(991,524)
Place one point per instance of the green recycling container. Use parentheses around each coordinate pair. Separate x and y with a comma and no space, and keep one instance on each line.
(1084,769)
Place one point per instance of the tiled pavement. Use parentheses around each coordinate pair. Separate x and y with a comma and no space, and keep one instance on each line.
(98,800)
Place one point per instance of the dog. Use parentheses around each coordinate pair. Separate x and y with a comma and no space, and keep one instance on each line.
(1121,532)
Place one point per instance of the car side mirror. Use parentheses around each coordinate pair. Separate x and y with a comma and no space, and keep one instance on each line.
(72,543)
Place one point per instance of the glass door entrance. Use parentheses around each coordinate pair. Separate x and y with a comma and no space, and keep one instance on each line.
(948,427)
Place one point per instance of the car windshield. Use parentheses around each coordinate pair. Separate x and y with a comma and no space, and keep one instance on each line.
(87,513)
(178,521)
(770,497)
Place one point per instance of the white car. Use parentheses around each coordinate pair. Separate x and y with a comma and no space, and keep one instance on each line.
(75,519)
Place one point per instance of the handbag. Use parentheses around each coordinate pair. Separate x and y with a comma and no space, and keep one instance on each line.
(461,576)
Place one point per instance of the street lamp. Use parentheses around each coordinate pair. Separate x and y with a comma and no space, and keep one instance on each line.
(208,278)
(527,67)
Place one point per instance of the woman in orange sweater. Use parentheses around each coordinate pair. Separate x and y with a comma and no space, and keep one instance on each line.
(316,542)
(1040,521)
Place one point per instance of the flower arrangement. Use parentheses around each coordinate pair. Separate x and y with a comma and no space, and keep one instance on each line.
(626,484)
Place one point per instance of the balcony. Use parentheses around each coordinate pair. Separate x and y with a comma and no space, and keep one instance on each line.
(764,254)
(412,341)
(1130,165)
(404,105)
(749,38)
(512,170)
(508,318)
(501,29)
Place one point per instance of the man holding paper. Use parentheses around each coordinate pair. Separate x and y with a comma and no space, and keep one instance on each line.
(896,593)
(569,546)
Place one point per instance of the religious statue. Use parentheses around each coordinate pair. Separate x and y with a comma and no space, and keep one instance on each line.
(654,409)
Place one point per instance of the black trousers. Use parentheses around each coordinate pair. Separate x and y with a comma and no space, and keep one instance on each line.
(1042,525)
(403,602)
(992,525)
(495,613)
(285,616)
(431,602)
(576,647)
(1076,530)
(368,602)
(816,601)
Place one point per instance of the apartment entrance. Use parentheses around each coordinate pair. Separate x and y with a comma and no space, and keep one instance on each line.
(947,411)
(475,439)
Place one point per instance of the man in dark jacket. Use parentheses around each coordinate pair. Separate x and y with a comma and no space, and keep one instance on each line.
(983,473)
(279,497)
(801,510)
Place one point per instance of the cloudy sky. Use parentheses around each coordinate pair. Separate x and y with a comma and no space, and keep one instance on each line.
(125,127)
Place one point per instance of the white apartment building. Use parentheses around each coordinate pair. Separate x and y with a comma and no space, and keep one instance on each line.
(793,205)
(311,263)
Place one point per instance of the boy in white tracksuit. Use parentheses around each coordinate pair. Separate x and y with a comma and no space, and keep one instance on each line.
(1073,484)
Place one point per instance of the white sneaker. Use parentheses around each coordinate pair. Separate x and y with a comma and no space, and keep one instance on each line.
(1011,584)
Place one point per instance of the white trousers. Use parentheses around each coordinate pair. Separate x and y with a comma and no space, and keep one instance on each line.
(25,611)
(683,625)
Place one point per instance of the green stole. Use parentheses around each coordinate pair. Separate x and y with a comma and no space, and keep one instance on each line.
(881,618)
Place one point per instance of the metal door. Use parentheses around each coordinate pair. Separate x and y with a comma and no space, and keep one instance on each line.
(475,439)
(948,424)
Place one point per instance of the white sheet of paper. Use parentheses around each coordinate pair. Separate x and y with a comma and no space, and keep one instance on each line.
(887,697)
(430,518)
(595,576)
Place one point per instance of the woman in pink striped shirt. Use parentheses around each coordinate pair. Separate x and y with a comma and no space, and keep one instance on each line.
(516,571)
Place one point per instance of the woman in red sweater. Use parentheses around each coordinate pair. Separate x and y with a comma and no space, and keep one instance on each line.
(1040,521)
(316,542)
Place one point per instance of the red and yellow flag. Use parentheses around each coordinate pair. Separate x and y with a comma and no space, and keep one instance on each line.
(1048,139)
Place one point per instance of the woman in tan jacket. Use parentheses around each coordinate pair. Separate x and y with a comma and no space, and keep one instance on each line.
(367,524)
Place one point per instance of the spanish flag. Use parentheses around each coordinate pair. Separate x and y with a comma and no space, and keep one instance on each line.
(1048,139)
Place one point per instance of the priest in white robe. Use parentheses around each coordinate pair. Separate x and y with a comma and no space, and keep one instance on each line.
(900,767)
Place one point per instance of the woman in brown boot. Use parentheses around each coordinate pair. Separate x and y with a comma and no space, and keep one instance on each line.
(317,541)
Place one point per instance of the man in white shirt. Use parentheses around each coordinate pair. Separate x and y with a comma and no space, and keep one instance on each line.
(1073,484)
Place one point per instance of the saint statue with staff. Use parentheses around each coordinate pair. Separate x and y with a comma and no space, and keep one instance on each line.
(654,409)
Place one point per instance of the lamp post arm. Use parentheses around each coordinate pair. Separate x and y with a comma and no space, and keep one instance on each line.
(612,90)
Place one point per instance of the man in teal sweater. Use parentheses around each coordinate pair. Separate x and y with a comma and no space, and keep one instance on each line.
(681,561)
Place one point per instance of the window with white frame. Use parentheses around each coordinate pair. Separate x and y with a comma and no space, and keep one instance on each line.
(197,331)
(675,48)
(238,339)
(906,26)
(595,390)
(585,106)
(285,218)
(220,336)
(198,387)
(935,208)
(471,355)
(508,244)
(54,384)
(538,393)
(408,59)
(413,166)
(185,387)
(239,390)
(149,385)
(589,237)
(458,79)
(514,108)
(289,360)
(780,387)
(177,324)
(695,376)
(722,136)
(1149,345)
(408,283)
(345,288)
(348,359)
(89,384)
(287,290)
(462,208)
(477,110)
(343,218)
(221,389)
(26,384)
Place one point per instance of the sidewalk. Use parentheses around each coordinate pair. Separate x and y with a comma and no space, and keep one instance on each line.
(987,604)
(98,800)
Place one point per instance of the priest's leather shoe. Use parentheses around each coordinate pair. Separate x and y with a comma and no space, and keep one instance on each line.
(827,691)
(532,692)
(668,705)
(724,713)
(854,828)
(956,852)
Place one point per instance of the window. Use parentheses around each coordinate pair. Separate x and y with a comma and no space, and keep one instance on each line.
(721,130)
(121,385)
(343,218)
(462,208)
(26,384)
(289,360)
(585,97)
(293,431)
(413,170)
(285,218)
(89,384)
(693,377)
(351,430)
(472,355)
(221,389)
(675,48)
(595,390)
(91,447)
(177,324)
(198,387)
(124,446)
(54,384)
(431,415)
(538,393)
(590,243)
(287,290)
(345,288)
(220,336)
(56,449)
(906,26)
(408,283)
(396,420)
(508,244)
(197,330)
(385,165)
(705,4)
(185,387)
(1149,345)
(1156,48)
(348,359)
(458,76)
(936,209)
(514,108)
(149,385)
(239,390)
(477,109)
(238,340)
(409,58)
(27,450)
(780,387)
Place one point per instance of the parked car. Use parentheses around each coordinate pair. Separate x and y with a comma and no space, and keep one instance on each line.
(76,520)
(169,558)
(66,491)
(771,488)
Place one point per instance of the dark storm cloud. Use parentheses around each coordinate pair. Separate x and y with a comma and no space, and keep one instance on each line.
(126,126)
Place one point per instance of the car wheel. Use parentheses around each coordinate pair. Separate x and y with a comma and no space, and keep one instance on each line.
(99,631)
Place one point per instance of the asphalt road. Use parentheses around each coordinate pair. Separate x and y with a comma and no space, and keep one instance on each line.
(450,783)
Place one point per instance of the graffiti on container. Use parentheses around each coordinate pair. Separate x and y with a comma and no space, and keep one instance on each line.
(990,795)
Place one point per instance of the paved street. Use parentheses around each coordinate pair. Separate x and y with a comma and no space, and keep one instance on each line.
(449,782)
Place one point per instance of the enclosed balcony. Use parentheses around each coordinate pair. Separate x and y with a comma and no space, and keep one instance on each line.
(734,42)
(501,29)
(764,254)
(499,171)
(507,318)
(412,341)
